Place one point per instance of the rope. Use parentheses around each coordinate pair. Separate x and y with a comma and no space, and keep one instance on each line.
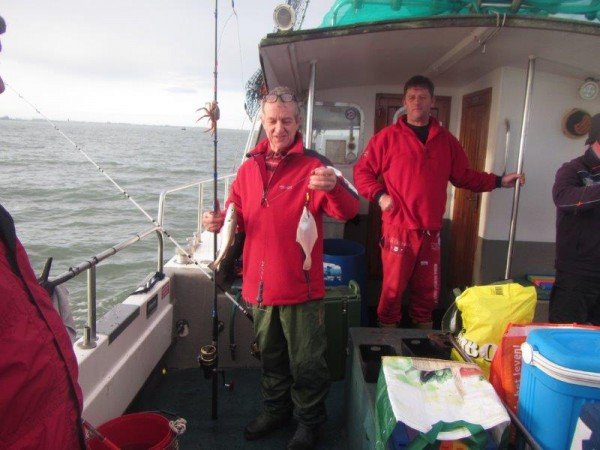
(178,426)
(107,176)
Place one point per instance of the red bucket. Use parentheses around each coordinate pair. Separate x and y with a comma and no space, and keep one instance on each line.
(138,431)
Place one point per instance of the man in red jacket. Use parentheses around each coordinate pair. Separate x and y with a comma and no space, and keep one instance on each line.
(272,188)
(40,400)
(416,158)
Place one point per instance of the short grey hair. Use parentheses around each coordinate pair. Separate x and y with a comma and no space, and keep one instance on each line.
(278,91)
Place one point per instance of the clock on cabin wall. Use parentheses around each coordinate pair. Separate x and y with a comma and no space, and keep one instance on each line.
(589,89)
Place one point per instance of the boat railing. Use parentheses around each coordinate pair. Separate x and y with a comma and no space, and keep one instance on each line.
(204,191)
(89,330)
(205,194)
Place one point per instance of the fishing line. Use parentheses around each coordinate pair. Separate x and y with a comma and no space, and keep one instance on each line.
(108,177)
(239,41)
(237,27)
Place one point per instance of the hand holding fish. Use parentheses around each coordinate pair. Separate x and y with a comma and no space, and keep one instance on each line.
(212,221)
(322,179)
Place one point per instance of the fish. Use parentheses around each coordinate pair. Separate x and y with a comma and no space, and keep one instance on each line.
(227,234)
(306,236)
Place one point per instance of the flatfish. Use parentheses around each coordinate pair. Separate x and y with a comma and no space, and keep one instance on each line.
(227,234)
(306,236)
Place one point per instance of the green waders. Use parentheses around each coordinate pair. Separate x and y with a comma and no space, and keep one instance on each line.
(292,346)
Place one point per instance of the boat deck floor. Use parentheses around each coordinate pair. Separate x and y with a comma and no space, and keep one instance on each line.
(187,394)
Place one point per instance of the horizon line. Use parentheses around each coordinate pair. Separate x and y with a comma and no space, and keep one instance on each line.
(36,119)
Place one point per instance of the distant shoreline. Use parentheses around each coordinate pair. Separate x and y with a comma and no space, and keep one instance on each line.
(182,127)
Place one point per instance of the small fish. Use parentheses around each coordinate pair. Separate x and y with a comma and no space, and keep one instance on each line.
(306,236)
(227,234)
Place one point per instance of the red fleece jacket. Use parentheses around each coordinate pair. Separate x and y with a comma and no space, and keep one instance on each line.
(40,400)
(268,212)
(416,175)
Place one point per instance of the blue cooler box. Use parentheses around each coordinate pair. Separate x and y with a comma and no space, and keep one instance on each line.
(560,373)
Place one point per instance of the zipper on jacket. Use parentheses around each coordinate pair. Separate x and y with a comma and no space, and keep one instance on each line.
(307,278)
(259,295)
(264,202)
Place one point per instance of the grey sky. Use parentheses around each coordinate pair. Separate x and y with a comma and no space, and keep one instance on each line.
(134,61)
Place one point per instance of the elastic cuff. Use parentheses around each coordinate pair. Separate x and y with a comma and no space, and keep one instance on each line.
(377,196)
(498,181)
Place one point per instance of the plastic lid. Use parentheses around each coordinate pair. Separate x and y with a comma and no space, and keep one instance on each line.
(571,348)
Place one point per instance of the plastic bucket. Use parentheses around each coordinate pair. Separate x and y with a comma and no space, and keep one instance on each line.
(138,431)
(344,260)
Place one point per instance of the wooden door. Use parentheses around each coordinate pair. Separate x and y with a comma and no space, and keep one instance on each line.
(386,106)
(465,216)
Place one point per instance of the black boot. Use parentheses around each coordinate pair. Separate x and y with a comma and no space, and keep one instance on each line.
(305,437)
(264,424)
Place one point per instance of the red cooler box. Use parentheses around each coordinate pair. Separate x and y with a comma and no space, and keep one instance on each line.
(560,373)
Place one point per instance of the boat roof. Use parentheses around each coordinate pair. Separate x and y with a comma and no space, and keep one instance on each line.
(452,50)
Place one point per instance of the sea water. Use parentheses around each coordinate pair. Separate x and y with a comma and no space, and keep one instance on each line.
(65,209)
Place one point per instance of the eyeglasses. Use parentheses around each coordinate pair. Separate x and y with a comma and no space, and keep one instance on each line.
(285,98)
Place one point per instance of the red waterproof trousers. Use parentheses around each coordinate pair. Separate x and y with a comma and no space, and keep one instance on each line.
(411,259)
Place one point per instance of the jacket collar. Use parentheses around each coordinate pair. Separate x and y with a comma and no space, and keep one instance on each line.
(263,147)
(434,126)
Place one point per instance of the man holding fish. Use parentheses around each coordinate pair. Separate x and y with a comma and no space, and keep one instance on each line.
(280,194)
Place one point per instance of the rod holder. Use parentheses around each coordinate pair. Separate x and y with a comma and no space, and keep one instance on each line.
(87,343)
(91,298)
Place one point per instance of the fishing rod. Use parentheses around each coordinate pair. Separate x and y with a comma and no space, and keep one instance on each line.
(215,312)
(160,228)
(208,354)
(126,194)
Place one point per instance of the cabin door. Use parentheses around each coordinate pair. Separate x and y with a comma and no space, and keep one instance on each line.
(474,125)
(386,106)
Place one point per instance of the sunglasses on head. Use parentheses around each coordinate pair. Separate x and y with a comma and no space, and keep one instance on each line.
(285,98)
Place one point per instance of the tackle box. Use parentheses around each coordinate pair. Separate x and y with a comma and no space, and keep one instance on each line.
(342,310)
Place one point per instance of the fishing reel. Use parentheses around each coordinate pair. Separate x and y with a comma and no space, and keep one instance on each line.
(208,361)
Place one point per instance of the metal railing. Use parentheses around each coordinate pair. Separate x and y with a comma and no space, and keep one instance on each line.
(89,331)
(200,185)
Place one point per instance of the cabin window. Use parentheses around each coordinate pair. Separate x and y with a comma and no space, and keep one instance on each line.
(338,131)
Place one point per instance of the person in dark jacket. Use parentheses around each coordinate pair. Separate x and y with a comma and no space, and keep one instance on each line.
(575,295)
(279,180)
(416,158)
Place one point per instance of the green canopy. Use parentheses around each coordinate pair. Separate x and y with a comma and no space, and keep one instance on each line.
(349,12)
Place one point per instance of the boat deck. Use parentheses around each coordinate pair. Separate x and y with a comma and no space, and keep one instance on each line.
(187,394)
